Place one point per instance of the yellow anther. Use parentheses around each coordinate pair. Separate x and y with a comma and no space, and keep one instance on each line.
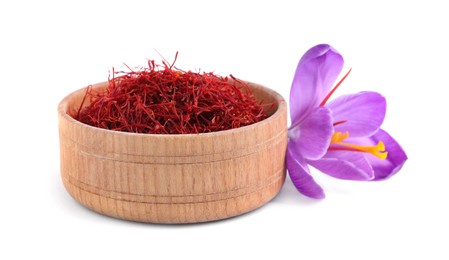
(376,150)
(338,137)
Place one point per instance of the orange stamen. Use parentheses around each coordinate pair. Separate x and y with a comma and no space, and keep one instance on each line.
(376,150)
(339,137)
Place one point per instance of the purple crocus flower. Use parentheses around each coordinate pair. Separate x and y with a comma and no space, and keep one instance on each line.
(342,137)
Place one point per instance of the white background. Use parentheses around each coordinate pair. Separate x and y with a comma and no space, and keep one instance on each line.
(49,49)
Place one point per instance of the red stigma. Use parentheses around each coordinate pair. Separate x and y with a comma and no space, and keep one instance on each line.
(335,88)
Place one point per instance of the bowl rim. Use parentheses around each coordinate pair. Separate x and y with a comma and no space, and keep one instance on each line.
(281,106)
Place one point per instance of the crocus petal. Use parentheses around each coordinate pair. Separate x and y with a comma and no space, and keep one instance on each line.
(360,114)
(312,136)
(315,75)
(345,165)
(396,157)
(300,176)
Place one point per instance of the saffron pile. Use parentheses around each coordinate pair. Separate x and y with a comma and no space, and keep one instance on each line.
(163,99)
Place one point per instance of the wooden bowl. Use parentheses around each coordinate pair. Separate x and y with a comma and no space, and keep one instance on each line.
(174,178)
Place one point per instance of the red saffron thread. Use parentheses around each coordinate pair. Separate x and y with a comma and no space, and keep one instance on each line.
(340,122)
(163,99)
(335,88)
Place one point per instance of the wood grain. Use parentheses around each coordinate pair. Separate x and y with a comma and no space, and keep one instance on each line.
(174,178)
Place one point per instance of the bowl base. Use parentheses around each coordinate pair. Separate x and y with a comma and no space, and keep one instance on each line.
(173,213)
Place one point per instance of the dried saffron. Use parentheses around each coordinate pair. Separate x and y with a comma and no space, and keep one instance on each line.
(163,99)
